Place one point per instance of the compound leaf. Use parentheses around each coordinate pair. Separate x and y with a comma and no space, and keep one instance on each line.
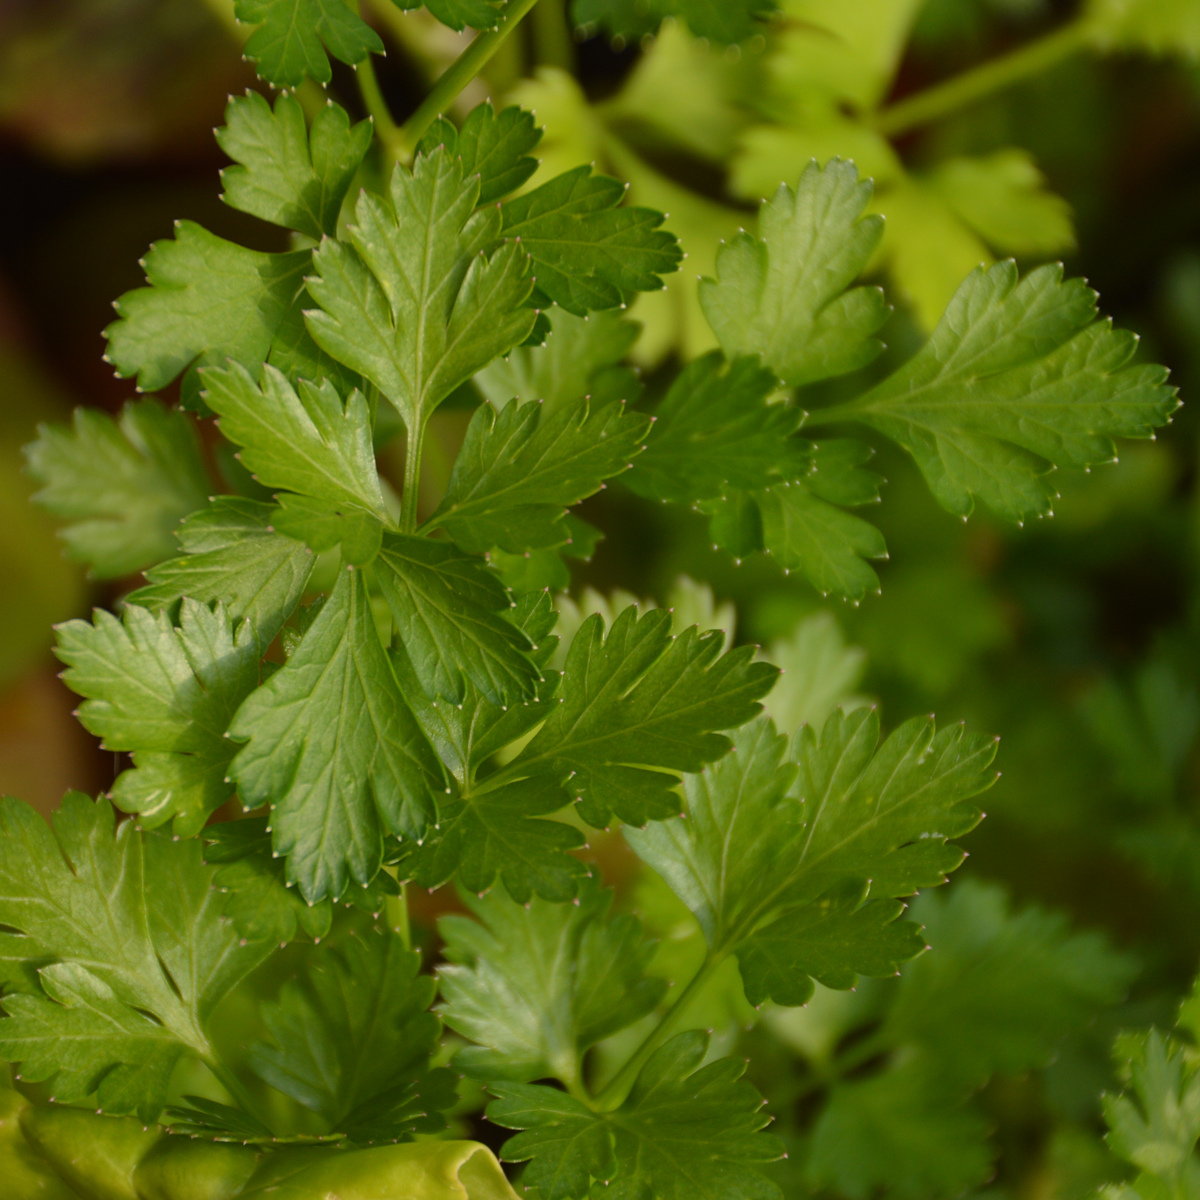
(493,145)
(124,485)
(233,556)
(209,300)
(105,1007)
(412,303)
(589,251)
(638,706)
(448,607)
(295,37)
(335,751)
(167,695)
(478,14)
(520,469)
(534,985)
(783,296)
(685,1130)
(285,173)
(1018,376)
(352,1040)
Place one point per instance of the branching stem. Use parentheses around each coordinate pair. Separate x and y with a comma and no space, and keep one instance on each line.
(956,93)
(456,77)
(412,478)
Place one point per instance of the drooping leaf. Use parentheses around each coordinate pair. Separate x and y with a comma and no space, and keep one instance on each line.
(535,985)
(295,37)
(520,468)
(352,1040)
(638,706)
(124,485)
(233,556)
(447,606)
(783,295)
(335,751)
(209,300)
(478,14)
(1019,376)
(773,858)
(106,1007)
(685,1130)
(412,302)
(285,173)
(493,145)
(167,695)
(588,250)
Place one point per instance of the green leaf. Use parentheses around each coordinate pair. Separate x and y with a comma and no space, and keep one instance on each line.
(412,303)
(447,607)
(1156,26)
(294,36)
(783,296)
(258,899)
(124,485)
(105,1007)
(351,1040)
(324,524)
(724,21)
(494,146)
(535,985)
(638,706)
(1156,1128)
(233,556)
(819,673)
(478,14)
(1001,990)
(578,358)
(716,429)
(519,470)
(589,251)
(307,441)
(773,857)
(1017,377)
(286,174)
(209,300)
(168,696)
(686,1130)
(335,751)
(901,1131)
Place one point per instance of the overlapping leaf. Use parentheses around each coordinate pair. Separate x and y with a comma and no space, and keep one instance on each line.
(519,470)
(784,296)
(493,145)
(685,1130)
(286,173)
(233,556)
(535,985)
(124,485)
(352,1041)
(168,696)
(106,1007)
(335,751)
(774,859)
(1019,376)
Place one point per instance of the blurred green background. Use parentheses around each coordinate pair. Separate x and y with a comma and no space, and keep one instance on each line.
(1078,641)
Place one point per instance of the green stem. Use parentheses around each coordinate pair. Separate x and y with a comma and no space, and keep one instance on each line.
(397,914)
(368,86)
(944,98)
(617,1088)
(412,480)
(460,72)
(552,42)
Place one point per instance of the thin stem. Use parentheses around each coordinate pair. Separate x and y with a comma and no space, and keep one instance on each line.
(552,42)
(945,98)
(397,915)
(460,72)
(412,480)
(368,86)
(617,1088)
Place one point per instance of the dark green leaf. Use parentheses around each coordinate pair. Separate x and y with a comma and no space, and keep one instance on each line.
(293,37)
